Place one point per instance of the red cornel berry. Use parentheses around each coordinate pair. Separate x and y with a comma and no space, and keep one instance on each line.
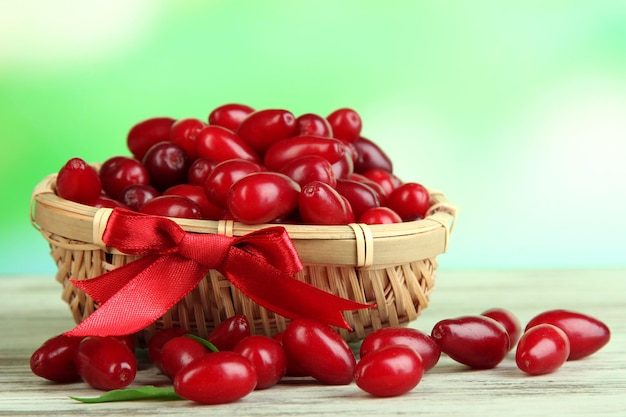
(380,215)
(78,181)
(509,321)
(167,165)
(322,204)
(224,175)
(183,133)
(586,334)
(229,332)
(216,378)
(262,197)
(420,342)
(319,351)
(346,124)
(159,339)
(370,156)
(309,168)
(267,356)
(230,115)
(172,206)
(54,360)
(119,172)
(312,124)
(220,144)
(178,352)
(285,151)
(542,349)
(262,128)
(106,363)
(476,341)
(388,372)
(146,133)
(410,200)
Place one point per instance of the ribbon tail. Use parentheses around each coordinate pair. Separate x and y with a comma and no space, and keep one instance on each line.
(279,292)
(144,298)
(103,287)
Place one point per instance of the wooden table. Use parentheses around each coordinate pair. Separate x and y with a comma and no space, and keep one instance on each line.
(31,311)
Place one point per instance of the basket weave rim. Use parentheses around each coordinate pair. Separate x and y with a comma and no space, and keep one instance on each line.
(351,244)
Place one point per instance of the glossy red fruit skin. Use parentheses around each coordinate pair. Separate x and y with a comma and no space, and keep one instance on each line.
(224,175)
(410,200)
(147,133)
(390,371)
(172,206)
(229,332)
(262,128)
(54,359)
(420,342)
(476,341)
(510,322)
(196,194)
(262,197)
(542,349)
(179,351)
(310,168)
(374,185)
(220,144)
(319,203)
(104,201)
(135,196)
(344,167)
(268,357)
(184,132)
(229,115)
(78,181)
(360,196)
(105,363)
(216,378)
(200,170)
(292,367)
(351,152)
(127,340)
(167,165)
(586,334)
(119,172)
(310,124)
(320,351)
(370,156)
(386,180)
(284,151)
(346,124)
(379,215)
(159,339)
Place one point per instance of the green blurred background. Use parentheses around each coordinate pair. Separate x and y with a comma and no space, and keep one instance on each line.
(516,111)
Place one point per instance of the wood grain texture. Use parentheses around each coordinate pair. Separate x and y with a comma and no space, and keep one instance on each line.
(31,311)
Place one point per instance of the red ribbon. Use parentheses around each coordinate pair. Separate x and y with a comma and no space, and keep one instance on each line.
(260,264)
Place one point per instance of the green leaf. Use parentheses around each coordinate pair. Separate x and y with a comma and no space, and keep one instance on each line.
(205,342)
(147,392)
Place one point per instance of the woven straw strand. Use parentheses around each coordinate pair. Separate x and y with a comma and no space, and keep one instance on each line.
(100,219)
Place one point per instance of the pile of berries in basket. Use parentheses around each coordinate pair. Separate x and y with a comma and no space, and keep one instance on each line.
(263,166)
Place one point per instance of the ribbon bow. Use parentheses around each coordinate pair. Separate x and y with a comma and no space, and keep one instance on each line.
(260,264)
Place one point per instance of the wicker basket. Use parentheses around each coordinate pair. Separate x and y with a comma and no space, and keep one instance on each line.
(390,265)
